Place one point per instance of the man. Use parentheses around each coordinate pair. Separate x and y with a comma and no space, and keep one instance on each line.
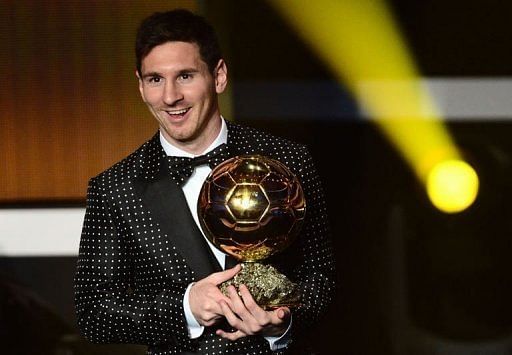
(146,274)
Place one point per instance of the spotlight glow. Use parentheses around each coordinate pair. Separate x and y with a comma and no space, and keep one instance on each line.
(452,186)
(360,42)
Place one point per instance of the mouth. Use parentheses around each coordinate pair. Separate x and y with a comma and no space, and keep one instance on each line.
(177,113)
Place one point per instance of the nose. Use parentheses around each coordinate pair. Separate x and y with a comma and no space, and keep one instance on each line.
(172,94)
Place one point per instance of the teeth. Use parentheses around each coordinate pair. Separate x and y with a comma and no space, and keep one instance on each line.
(179,112)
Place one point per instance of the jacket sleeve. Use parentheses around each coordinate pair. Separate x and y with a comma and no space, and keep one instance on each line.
(110,307)
(314,271)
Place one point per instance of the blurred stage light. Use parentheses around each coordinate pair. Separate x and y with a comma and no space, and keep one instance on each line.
(359,41)
(452,186)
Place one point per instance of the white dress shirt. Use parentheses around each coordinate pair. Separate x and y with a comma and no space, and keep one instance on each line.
(191,189)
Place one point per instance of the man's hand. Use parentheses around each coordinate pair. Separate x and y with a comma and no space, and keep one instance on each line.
(248,318)
(205,297)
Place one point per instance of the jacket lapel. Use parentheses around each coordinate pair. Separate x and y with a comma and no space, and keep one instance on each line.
(166,202)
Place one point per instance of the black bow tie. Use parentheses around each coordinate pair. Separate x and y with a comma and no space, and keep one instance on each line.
(181,168)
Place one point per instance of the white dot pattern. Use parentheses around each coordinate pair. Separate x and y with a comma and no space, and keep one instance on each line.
(131,279)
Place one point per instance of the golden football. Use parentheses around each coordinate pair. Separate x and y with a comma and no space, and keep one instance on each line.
(251,207)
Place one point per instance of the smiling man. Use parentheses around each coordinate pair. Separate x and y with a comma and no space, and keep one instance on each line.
(146,274)
(181,93)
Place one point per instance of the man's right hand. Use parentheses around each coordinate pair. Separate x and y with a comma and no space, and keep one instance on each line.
(205,297)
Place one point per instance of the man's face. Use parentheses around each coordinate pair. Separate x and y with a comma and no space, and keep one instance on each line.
(181,93)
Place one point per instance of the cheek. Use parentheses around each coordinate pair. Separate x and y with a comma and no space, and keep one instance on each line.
(197,93)
(151,96)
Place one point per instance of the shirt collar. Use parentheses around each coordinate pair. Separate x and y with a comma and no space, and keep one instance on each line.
(172,150)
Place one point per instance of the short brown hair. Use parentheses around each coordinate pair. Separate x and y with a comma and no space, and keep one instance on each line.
(177,26)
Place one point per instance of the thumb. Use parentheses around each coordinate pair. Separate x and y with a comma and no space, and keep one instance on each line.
(219,277)
(283,313)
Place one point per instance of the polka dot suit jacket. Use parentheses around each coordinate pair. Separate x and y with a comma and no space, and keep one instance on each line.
(140,248)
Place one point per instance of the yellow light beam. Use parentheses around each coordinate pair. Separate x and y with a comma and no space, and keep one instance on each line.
(361,44)
(359,41)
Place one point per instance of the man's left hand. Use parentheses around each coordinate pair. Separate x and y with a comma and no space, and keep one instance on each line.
(248,318)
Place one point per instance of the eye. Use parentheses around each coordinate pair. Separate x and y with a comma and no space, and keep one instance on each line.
(185,77)
(153,80)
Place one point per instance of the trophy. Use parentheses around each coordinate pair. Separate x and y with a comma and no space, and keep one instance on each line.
(252,207)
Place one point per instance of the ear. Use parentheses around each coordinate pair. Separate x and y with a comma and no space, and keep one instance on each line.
(141,89)
(221,76)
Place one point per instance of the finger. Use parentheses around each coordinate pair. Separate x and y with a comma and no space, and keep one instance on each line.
(219,277)
(249,302)
(283,313)
(205,296)
(231,317)
(211,321)
(263,317)
(279,316)
(230,336)
(238,305)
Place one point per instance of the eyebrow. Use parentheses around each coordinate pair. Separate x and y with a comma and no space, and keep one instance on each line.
(150,74)
(190,70)
(182,71)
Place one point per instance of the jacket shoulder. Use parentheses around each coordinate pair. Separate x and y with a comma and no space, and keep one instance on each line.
(249,140)
(252,139)
(143,160)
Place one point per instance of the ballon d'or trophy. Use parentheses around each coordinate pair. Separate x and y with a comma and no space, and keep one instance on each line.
(252,207)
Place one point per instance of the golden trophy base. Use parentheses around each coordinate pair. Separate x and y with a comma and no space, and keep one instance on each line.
(269,288)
